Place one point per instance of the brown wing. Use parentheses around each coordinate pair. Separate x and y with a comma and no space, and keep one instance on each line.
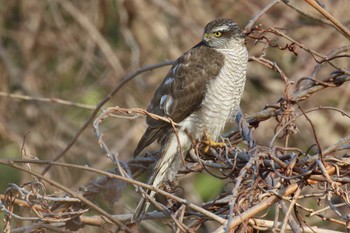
(182,90)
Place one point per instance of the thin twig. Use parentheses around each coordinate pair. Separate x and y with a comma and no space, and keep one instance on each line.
(330,17)
(260,14)
(107,174)
(48,100)
(122,82)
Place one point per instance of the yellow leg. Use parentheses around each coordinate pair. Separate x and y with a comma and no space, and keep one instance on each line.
(209,142)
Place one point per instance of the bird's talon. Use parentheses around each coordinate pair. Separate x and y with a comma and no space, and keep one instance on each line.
(208,142)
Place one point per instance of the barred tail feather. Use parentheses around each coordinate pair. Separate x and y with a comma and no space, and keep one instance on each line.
(165,169)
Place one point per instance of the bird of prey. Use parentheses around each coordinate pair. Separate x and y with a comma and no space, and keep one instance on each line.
(200,93)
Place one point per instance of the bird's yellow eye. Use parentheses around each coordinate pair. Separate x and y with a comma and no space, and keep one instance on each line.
(217,34)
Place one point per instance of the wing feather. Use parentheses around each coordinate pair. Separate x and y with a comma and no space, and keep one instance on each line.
(182,91)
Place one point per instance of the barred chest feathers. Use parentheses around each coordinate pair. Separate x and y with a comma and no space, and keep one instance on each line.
(222,97)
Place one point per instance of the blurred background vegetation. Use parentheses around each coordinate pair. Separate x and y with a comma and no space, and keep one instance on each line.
(47,52)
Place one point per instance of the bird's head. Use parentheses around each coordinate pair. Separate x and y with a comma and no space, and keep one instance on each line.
(221,33)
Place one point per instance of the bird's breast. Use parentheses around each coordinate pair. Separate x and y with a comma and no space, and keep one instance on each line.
(222,97)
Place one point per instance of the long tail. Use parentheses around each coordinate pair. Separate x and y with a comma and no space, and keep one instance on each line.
(142,208)
(165,169)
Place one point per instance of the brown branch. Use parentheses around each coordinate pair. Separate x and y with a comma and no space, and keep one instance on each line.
(254,210)
(12,163)
(330,17)
(260,14)
(47,100)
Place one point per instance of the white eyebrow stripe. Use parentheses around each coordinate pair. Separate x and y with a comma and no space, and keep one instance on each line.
(222,28)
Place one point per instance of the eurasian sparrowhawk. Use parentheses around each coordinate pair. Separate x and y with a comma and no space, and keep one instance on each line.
(200,93)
